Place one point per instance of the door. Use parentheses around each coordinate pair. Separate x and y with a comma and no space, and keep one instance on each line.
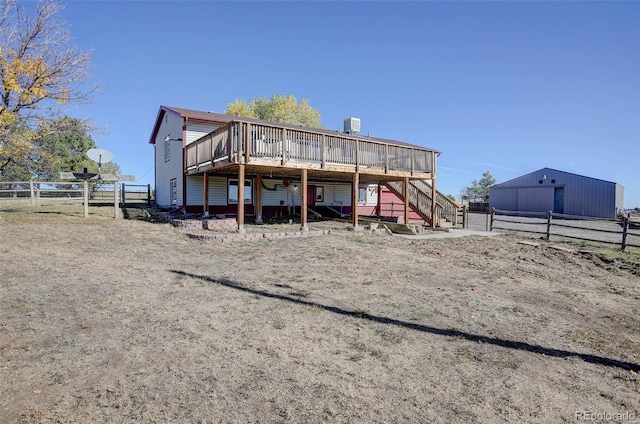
(558,200)
(311,195)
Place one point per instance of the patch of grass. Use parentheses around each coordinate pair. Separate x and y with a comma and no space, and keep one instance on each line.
(608,396)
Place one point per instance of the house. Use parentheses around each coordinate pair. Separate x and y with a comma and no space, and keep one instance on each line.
(561,192)
(203,160)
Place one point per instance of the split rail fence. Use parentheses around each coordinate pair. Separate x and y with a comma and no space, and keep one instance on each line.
(620,231)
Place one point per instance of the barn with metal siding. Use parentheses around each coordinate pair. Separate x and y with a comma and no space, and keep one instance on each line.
(558,191)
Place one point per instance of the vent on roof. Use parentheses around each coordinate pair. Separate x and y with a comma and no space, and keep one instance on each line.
(352,125)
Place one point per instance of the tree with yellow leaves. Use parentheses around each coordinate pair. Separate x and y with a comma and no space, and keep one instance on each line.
(39,73)
(285,110)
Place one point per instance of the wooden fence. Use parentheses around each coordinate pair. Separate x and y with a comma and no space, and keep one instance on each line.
(612,231)
(83,191)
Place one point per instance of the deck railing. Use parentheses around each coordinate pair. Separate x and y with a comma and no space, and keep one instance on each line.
(213,146)
(241,141)
(446,207)
(420,199)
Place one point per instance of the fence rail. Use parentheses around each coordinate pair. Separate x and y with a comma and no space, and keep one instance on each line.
(611,231)
(84,191)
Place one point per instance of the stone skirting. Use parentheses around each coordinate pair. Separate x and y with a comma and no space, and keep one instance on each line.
(225,230)
(228,238)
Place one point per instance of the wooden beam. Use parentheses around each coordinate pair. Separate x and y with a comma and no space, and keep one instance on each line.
(240,216)
(434,192)
(116,199)
(434,202)
(303,206)
(379,205)
(85,208)
(259,199)
(205,206)
(354,199)
(405,194)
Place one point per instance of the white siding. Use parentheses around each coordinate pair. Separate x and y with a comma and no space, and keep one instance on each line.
(372,195)
(338,194)
(167,169)
(217,190)
(273,197)
(195,190)
(197,129)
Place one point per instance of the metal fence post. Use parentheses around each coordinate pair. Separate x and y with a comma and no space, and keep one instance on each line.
(549,214)
(625,229)
(149,194)
(124,200)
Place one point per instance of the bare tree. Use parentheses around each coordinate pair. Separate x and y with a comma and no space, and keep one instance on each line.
(39,72)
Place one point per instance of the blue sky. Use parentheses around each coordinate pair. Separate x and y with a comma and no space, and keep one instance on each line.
(505,87)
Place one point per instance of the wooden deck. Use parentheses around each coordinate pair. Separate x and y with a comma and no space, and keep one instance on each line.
(284,151)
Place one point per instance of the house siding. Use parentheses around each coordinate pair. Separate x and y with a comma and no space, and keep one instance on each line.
(583,196)
(166,170)
(197,129)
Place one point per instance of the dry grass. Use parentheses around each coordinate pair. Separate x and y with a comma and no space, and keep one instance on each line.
(105,320)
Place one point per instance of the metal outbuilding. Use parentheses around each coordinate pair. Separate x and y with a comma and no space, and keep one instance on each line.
(558,191)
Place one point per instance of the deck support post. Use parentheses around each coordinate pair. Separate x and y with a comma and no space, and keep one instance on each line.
(379,205)
(434,219)
(434,192)
(405,194)
(259,199)
(303,205)
(354,199)
(240,216)
(205,206)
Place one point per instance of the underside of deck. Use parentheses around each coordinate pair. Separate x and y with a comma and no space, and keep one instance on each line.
(244,148)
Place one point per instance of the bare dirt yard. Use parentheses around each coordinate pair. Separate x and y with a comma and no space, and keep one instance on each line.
(105,320)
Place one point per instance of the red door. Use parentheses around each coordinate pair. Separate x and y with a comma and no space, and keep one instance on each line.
(311,195)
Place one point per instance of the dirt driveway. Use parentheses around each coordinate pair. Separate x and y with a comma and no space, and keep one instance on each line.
(105,320)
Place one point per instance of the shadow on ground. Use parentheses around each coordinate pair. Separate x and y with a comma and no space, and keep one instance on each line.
(510,344)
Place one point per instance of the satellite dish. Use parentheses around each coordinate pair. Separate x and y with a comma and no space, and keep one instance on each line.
(100,155)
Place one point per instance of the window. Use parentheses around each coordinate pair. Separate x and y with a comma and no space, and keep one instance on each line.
(167,149)
(232,195)
(319,194)
(173,191)
(362,195)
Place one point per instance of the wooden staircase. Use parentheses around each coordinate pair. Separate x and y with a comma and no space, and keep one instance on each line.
(420,202)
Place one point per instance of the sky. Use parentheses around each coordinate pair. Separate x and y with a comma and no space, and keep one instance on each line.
(508,87)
